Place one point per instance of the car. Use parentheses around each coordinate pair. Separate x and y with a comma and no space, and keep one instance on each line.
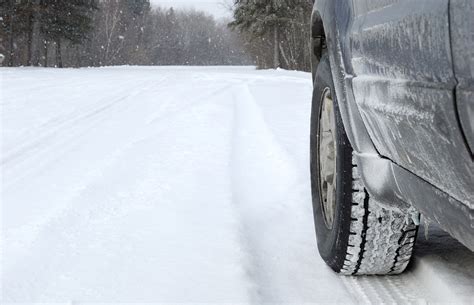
(392,128)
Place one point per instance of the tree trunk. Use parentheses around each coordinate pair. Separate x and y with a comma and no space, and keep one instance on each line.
(59,59)
(276,47)
(288,65)
(45,45)
(11,42)
(29,42)
(35,33)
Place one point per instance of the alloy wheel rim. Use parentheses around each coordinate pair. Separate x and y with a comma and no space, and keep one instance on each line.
(327,157)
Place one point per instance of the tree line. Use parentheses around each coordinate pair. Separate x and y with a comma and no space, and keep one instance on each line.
(77,33)
(32,27)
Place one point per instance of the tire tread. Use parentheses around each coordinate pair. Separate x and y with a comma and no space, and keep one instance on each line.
(381,240)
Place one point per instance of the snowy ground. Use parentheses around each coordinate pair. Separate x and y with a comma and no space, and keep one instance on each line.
(177,185)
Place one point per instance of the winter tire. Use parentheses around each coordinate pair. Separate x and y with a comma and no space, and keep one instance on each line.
(355,234)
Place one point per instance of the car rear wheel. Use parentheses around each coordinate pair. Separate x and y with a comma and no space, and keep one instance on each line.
(356,234)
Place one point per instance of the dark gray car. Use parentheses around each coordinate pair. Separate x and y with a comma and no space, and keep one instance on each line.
(392,128)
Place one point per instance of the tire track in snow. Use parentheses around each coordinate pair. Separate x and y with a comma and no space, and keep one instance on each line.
(398,289)
(356,289)
(63,122)
(162,117)
(63,143)
(50,146)
(270,200)
(252,142)
(67,93)
(66,134)
(406,296)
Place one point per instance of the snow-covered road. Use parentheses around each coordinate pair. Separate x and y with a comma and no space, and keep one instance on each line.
(177,185)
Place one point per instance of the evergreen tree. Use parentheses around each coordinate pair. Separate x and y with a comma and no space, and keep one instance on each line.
(17,24)
(7,29)
(66,20)
(135,22)
(32,22)
(261,19)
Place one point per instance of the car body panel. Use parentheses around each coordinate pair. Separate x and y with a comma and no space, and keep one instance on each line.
(462,41)
(395,82)
(399,187)
(404,87)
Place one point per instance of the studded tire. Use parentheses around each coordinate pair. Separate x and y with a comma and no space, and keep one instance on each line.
(364,236)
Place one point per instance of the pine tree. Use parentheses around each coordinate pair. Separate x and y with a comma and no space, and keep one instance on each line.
(66,20)
(259,17)
(7,29)
(134,23)
(269,18)
(30,22)
(17,23)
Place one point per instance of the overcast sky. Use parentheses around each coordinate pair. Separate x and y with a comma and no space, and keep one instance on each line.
(214,7)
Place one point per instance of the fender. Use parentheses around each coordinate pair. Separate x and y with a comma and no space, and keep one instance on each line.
(326,33)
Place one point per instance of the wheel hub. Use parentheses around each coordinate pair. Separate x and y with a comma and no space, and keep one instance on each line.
(327,157)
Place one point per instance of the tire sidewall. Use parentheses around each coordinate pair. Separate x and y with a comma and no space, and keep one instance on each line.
(332,242)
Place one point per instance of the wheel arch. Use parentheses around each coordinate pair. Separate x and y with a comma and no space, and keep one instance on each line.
(318,40)
(324,24)
(325,34)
